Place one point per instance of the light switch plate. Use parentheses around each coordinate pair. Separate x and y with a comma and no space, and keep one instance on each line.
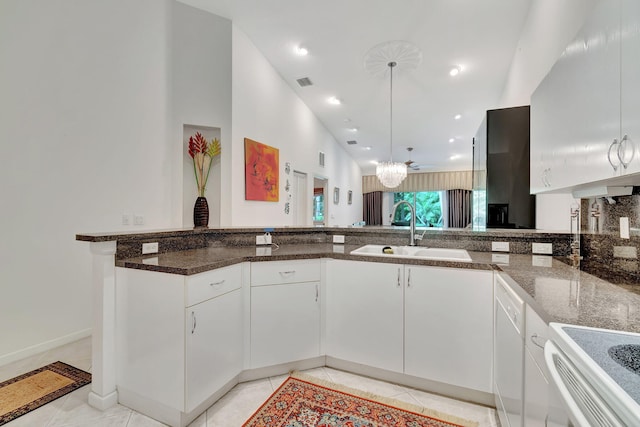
(541,261)
(338,238)
(150,248)
(624,227)
(499,246)
(542,248)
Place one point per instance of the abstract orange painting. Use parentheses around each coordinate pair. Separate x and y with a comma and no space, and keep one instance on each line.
(261,171)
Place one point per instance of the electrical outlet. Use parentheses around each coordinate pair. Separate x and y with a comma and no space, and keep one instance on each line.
(624,227)
(264,239)
(338,238)
(499,246)
(126,219)
(138,220)
(542,248)
(150,248)
(541,261)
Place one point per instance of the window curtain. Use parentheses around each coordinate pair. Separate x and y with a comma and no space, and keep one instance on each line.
(424,181)
(459,208)
(372,208)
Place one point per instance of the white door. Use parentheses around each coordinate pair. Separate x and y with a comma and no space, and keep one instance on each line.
(364,322)
(285,323)
(214,346)
(300,199)
(449,326)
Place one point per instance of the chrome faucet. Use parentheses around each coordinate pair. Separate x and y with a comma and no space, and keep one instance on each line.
(412,223)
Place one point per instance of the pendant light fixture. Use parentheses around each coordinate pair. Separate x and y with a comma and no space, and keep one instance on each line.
(390,57)
(391,173)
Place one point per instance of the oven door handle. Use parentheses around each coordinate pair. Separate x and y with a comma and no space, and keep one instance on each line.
(562,372)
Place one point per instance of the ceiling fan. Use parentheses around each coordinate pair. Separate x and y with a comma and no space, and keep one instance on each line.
(410,163)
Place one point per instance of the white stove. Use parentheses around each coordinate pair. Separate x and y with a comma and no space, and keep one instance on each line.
(597,374)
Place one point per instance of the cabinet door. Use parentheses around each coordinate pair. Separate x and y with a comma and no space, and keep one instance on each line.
(449,326)
(285,323)
(575,111)
(630,84)
(536,392)
(365,313)
(214,346)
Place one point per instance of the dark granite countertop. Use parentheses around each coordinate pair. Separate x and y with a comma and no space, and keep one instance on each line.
(556,291)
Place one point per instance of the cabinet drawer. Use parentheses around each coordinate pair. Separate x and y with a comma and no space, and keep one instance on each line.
(204,286)
(537,334)
(279,272)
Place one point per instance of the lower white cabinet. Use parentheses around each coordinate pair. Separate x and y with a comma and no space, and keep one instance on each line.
(536,391)
(178,339)
(429,322)
(364,321)
(449,326)
(214,346)
(285,311)
(285,323)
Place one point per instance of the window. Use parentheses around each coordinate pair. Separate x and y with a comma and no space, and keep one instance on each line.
(427,205)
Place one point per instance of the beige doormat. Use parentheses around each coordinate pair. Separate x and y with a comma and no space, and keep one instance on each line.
(305,401)
(29,391)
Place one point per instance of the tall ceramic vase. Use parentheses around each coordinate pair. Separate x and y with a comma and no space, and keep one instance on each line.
(201,213)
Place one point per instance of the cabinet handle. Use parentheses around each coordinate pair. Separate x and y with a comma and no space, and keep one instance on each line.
(613,144)
(623,146)
(286,273)
(409,279)
(316,293)
(534,338)
(399,278)
(193,322)
(216,283)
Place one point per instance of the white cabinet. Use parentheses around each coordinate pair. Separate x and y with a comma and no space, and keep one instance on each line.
(536,386)
(429,322)
(364,322)
(214,346)
(179,339)
(449,326)
(588,102)
(285,311)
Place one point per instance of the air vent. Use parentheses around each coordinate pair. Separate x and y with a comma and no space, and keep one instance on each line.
(352,142)
(321,158)
(305,81)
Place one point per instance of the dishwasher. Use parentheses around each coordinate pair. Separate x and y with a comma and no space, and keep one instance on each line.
(509,354)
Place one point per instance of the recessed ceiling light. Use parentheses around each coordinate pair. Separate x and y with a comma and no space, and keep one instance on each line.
(334,101)
(347,120)
(353,129)
(455,71)
(375,162)
(301,51)
(366,148)
(452,139)
(457,117)
(454,157)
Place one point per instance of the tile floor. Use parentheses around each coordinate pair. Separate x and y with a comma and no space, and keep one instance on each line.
(232,410)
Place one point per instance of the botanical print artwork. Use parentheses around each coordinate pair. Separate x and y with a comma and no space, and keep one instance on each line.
(261,171)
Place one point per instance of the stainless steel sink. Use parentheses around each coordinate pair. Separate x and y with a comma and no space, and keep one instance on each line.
(416,252)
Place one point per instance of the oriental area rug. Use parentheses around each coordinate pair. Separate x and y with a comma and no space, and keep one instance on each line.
(305,401)
(29,391)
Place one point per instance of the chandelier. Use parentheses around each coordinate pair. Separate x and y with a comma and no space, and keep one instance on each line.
(391,173)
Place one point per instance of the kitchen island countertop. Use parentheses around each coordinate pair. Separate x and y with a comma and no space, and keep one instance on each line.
(555,290)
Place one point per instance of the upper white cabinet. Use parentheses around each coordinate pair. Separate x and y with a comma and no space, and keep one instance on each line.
(364,322)
(449,326)
(285,311)
(582,110)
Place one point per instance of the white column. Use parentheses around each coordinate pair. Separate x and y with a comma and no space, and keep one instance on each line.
(103,367)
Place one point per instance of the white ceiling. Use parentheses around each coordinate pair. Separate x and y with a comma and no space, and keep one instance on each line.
(480,36)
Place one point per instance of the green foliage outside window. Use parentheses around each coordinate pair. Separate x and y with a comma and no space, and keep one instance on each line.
(427,205)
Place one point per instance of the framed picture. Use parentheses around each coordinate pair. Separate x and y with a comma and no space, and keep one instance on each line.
(350,197)
(336,195)
(261,172)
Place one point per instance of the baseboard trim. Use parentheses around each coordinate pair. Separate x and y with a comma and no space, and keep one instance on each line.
(42,347)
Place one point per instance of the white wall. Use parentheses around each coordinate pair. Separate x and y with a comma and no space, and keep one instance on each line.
(201,88)
(84,117)
(550,26)
(267,110)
